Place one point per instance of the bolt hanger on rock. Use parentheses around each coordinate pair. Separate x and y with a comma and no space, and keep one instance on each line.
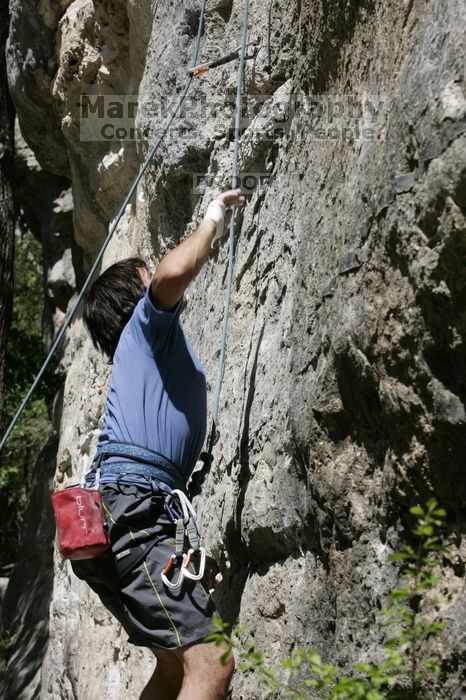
(232,56)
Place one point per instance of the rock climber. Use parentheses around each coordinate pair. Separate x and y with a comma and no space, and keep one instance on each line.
(153,430)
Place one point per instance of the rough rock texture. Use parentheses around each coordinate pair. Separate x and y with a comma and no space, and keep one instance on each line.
(45,205)
(343,399)
(24,618)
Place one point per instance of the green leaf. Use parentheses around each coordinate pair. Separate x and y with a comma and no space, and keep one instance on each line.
(440,513)
(435,627)
(374,695)
(225,657)
(364,667)
(400,556)
(397,594)
(423,530)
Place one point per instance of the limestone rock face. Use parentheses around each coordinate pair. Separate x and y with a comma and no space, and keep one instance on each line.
(344,390)
(46,205)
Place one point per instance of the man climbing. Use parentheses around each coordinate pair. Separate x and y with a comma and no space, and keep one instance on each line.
(152,435)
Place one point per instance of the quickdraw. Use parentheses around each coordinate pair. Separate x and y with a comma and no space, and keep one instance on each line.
(183,515)
(232,56)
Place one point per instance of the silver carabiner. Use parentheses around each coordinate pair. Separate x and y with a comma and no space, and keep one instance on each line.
(168,566)
(187,562)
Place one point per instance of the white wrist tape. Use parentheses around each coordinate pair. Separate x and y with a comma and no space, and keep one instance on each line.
(216,213)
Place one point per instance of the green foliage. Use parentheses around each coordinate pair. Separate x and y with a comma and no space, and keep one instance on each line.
(405,624)
(25,354)
(25,350)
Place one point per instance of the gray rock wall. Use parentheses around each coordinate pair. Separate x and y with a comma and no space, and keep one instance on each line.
(343,398)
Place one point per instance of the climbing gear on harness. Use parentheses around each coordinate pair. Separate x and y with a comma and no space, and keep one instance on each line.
(82,532)
(187,562)
(232,56)
(81,528)
(182,514)
(148,468)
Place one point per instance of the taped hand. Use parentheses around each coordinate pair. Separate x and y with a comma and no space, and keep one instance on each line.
(217,208)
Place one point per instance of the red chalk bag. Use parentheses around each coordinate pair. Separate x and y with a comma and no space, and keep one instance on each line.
(82,532)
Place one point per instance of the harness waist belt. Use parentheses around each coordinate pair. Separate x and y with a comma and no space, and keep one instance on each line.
(138,460)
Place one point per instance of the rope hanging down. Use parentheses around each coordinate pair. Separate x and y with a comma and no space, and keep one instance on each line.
(234,184)
(137,179)
(206,457)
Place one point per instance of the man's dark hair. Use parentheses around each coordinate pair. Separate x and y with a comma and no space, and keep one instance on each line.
(111,300)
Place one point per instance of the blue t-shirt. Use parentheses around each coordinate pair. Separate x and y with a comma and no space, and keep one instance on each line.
(157,397)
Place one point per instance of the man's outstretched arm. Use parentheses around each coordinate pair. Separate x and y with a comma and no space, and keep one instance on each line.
(177,269)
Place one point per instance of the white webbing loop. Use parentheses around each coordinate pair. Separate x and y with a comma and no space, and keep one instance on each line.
(184,503)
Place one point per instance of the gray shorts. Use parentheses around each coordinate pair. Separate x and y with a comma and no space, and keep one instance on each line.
(127,578)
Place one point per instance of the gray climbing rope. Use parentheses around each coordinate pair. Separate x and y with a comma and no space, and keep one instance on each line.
(207,457)
(234,181)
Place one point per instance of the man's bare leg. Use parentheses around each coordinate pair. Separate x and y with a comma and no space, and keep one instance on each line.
(204,676)
(165,683)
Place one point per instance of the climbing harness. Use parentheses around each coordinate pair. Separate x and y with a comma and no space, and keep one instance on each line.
(82,531)
(232,56)
(144,463)
(182,514)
